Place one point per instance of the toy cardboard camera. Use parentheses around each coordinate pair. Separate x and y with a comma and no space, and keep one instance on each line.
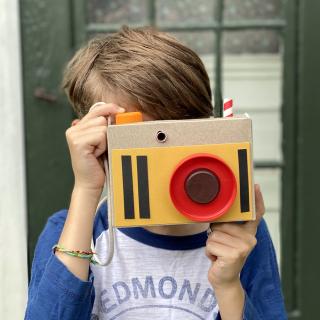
(181,171)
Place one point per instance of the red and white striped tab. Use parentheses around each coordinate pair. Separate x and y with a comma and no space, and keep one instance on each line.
(227,107)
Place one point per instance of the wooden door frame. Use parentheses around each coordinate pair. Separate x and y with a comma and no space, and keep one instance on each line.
(301,174)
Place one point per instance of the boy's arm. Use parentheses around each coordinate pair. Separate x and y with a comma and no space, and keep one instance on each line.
(54,292)
(59,288)
(87,142)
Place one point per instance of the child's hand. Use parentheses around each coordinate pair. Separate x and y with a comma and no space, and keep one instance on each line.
(229,245)
(87,141)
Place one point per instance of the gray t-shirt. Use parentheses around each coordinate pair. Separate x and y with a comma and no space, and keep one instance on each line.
(153,277)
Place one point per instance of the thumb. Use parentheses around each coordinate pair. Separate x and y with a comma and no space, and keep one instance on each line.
(260,209)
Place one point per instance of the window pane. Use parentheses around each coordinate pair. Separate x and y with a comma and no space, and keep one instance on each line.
(185,11)
(253,9)
(117,11)
(251,41)
(202,42)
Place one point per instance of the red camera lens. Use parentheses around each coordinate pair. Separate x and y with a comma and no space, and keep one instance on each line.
(203,187)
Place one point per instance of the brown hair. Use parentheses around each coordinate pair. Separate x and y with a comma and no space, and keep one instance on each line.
(166,79)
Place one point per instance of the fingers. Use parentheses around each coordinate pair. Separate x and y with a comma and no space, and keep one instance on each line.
(81,134)
(234,230)
(260,208)
(93,140)
(96,104)
(224,238)
(98,121)
(87,141)
(239,240)
(215,250)
(230,248)
(103,110)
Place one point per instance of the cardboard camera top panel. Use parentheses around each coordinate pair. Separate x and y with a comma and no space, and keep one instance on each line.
(180,132)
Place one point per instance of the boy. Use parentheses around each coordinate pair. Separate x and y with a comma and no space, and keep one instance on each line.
(163,272)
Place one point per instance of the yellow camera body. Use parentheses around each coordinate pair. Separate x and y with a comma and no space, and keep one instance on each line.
(181,171)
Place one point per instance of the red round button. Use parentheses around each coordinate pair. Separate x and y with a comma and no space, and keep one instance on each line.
(204,205)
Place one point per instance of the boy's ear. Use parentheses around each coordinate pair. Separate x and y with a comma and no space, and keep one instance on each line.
(75,122)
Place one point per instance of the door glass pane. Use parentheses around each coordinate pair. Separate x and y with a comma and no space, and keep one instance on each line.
(251,42)
(202,42)
(117,11)
(185,11)
(253,9)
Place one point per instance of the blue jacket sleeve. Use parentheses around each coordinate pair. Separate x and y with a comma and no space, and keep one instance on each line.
(54,292)
(261,282)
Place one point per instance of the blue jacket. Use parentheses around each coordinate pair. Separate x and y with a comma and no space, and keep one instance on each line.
(55,293)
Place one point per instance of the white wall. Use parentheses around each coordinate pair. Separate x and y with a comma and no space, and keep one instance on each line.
(13,242)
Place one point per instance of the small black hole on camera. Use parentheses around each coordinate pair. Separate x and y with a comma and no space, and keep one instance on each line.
(161,136)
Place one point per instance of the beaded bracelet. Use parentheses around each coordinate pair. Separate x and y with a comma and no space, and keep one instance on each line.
(76,253)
